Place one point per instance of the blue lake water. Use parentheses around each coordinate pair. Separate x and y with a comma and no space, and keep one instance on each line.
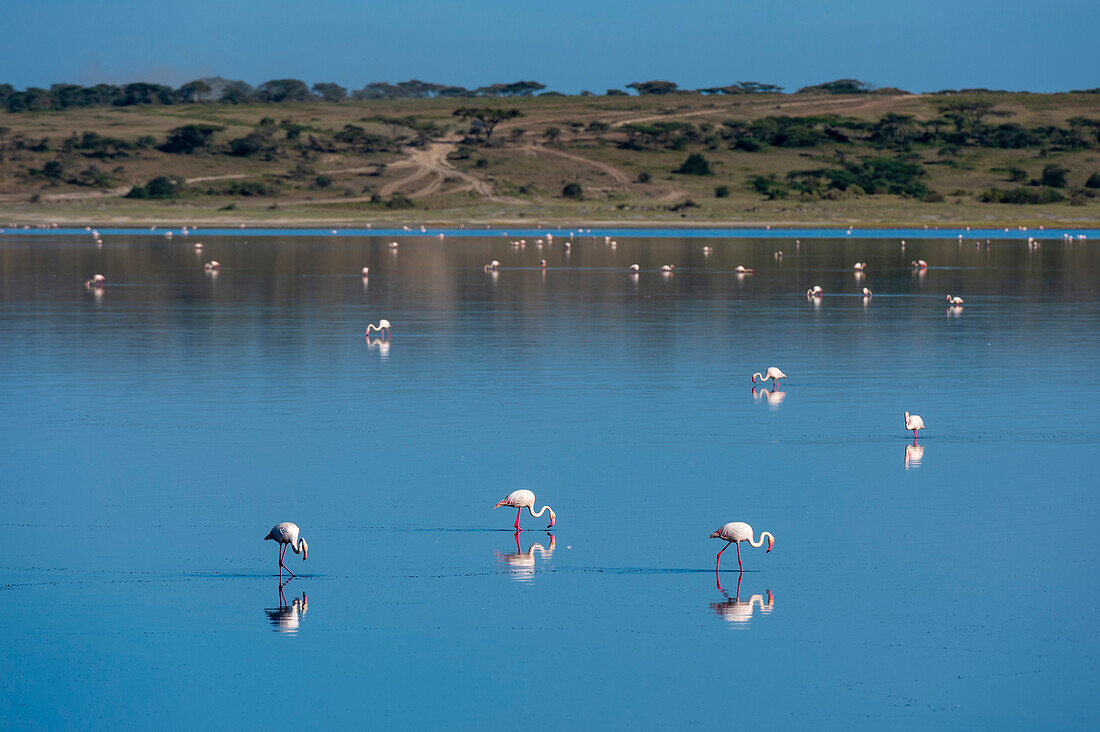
(155,429)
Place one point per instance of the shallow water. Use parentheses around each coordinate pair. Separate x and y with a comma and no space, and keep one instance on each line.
(156,429)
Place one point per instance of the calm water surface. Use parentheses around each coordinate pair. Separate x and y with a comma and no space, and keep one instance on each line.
(155,430)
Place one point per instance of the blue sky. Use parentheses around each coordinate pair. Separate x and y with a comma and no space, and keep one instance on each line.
(570,46)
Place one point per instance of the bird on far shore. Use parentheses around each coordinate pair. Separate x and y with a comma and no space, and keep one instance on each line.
(815,291)
(866,292)
(634,268)
(956,300)
(96,280)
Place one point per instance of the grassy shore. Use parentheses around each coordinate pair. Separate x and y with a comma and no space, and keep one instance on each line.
(311,178)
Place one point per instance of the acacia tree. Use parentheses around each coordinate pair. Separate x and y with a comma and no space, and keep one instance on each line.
(653,87)
(193,91)
(487,118)
(330,92)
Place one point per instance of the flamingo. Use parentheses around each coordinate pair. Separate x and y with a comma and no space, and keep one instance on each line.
(779,255)
(542,263)
(393,245)
(667,267)
(383,327)
(955,300)
(198,245)
(772,373)
(634,268)
(919,264)
(707,250)
(913,423)
(97,280)
(366,271)
(287,534)
(522,499)
(866,292)
(859,266)
(736,532)
(492,266)
(212,266)
(739,269)
(815,291)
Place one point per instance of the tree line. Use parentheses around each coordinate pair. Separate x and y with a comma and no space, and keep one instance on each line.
(277,91)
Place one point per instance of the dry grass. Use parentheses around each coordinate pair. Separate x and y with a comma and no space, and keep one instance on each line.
(523,176)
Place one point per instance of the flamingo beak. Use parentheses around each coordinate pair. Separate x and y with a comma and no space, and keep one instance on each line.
(714,535)
(552,520)
(499,503)
(770,545)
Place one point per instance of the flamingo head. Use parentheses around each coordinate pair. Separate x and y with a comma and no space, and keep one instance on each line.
(754,378)
(499,504)
(715,535)
(553,518)
(771,543)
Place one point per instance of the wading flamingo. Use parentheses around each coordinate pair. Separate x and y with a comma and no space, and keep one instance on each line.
(286,534)
(736,532)
(634,268)
(522,499)
(212,266)
(667,267)
(859,266)
(366,271)
(383,327)
(955,300)
(739,269)
(866,292)
(913,423)
(918,264)
(97,280)
(492,266)
(772,373)
(815,291)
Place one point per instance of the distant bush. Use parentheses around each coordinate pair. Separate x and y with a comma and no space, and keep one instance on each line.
(322,181)
(932,197)
(1016,173)
(747,144)
(189,138)
(1022,196)
(573,190)
(722,192)
(1093,181)
(644,177)
(399,200)
(1053,176)
(482,163)
(695,164)
(158,188)
(245,188)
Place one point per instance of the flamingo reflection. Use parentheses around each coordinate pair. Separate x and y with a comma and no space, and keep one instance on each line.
(913,455)
(738,611)
(773,398)
(521,564)
(383,346)
(287,617)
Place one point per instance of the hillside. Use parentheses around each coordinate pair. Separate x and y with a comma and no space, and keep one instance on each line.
(974,158)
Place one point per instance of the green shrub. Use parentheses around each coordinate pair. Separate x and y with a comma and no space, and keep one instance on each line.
(695,164)
(1054,176)
(722,192)
(158,189)
(573,190)
(1093,181)
(1022,196)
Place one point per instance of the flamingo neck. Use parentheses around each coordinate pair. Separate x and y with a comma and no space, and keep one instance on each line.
(760,543)
(371,327)
(300,547)
(757,374)
(542,510)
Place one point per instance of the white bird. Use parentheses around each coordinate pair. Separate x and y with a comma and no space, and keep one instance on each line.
(815,291)
(736,532)
(859,266)
(919,264)
(522,499)
(866,292)
(913,423)
(366,271)
(667,267)
(198,245)
(383,327)
(707,250)
(212,265)
(634,268)
(286,534)
(492,266)
(956,300)
(739,269)
(779,255)
(393,245)
(772,373)
(542,263)
(96,280)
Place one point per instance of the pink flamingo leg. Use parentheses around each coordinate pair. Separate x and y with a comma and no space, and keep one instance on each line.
(518,512)
(738,558)
(718,560)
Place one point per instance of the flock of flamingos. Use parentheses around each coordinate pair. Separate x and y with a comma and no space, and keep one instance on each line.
(288,535)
